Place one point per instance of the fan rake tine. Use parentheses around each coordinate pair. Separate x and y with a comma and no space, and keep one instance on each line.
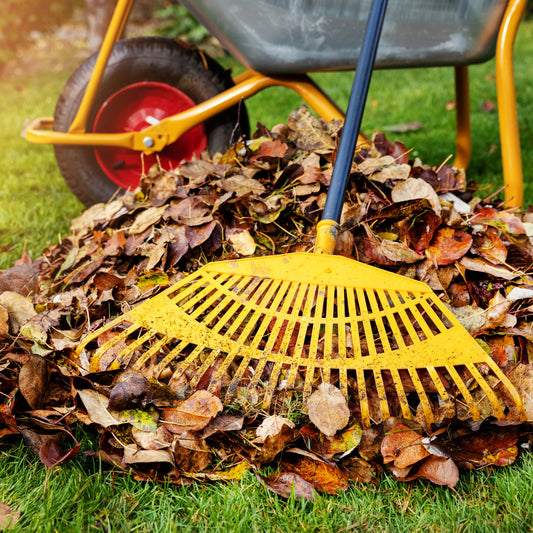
(261,294)
(443,393)
(382,394)
(341,339)
(363,397)
(197,291)
(173,354)
(328,334)
(464,391)
(94,365)
(316,323)
(424,400)
(153,350)
(400,391)
(286,294)
(310,297)
(486,389)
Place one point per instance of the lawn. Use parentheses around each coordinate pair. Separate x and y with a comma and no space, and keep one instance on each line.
(36,208)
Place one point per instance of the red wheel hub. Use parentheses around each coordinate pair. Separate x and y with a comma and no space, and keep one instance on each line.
(134,108)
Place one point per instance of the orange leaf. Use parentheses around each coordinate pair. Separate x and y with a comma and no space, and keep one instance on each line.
(490,246)
(403,446)
(448,245)
(323,476)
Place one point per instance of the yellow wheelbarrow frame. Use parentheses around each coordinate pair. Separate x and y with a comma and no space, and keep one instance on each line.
(167,131)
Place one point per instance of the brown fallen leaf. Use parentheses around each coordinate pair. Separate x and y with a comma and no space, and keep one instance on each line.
(327,409)
(133,456)
(241,185)
(146,218)
(403,446)
(438,470)
(22,279)
(34,379)
(162,438)
(275,444)
(8,516)
(521,376)
(311,134)
(272,426)
(504,221)
(191,460)
(340,444)
(287,484)
(192,414)
(96,405)
(4,321)
(490,246)
(360,470)
(325,477)
(131,390)
(51,453)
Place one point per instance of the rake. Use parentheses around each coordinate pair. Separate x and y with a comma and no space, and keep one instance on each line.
(269,326)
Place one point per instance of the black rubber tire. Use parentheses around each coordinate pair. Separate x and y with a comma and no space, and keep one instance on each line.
(135,60)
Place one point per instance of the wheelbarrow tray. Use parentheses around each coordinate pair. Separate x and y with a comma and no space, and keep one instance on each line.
(293,36)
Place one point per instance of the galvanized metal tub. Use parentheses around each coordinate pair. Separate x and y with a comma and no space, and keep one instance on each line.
(290,36)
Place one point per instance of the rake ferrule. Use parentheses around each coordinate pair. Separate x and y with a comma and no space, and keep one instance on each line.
(327,232)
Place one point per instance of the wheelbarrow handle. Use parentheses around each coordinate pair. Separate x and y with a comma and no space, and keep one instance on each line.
(354,112)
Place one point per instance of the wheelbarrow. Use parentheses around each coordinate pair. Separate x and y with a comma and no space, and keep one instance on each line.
(145,100)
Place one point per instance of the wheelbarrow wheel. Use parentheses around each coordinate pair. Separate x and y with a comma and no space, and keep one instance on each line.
(146,79)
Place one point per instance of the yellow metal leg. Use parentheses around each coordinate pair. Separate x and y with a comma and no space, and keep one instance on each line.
(462,111)
(114,31)
(509,133)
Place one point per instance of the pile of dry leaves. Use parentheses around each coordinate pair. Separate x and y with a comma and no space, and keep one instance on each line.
(264,197)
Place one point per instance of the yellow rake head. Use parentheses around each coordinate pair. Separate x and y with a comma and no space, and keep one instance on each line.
(280,324)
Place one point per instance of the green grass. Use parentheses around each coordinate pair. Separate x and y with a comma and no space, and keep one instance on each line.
(85,496)
(36,208)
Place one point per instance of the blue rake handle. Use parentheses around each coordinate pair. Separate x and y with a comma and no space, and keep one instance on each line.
(354,113)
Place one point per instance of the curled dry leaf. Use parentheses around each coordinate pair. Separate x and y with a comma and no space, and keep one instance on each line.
(132,456)
(241,185)
(438,470)
(96,405)
(287,484)
(20,309)
(413,188)
(490,246)
(34,379)
(22,279)
(340,444)
(242,242)
(132,390)
(327,409)
(271,426)
(146,218)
